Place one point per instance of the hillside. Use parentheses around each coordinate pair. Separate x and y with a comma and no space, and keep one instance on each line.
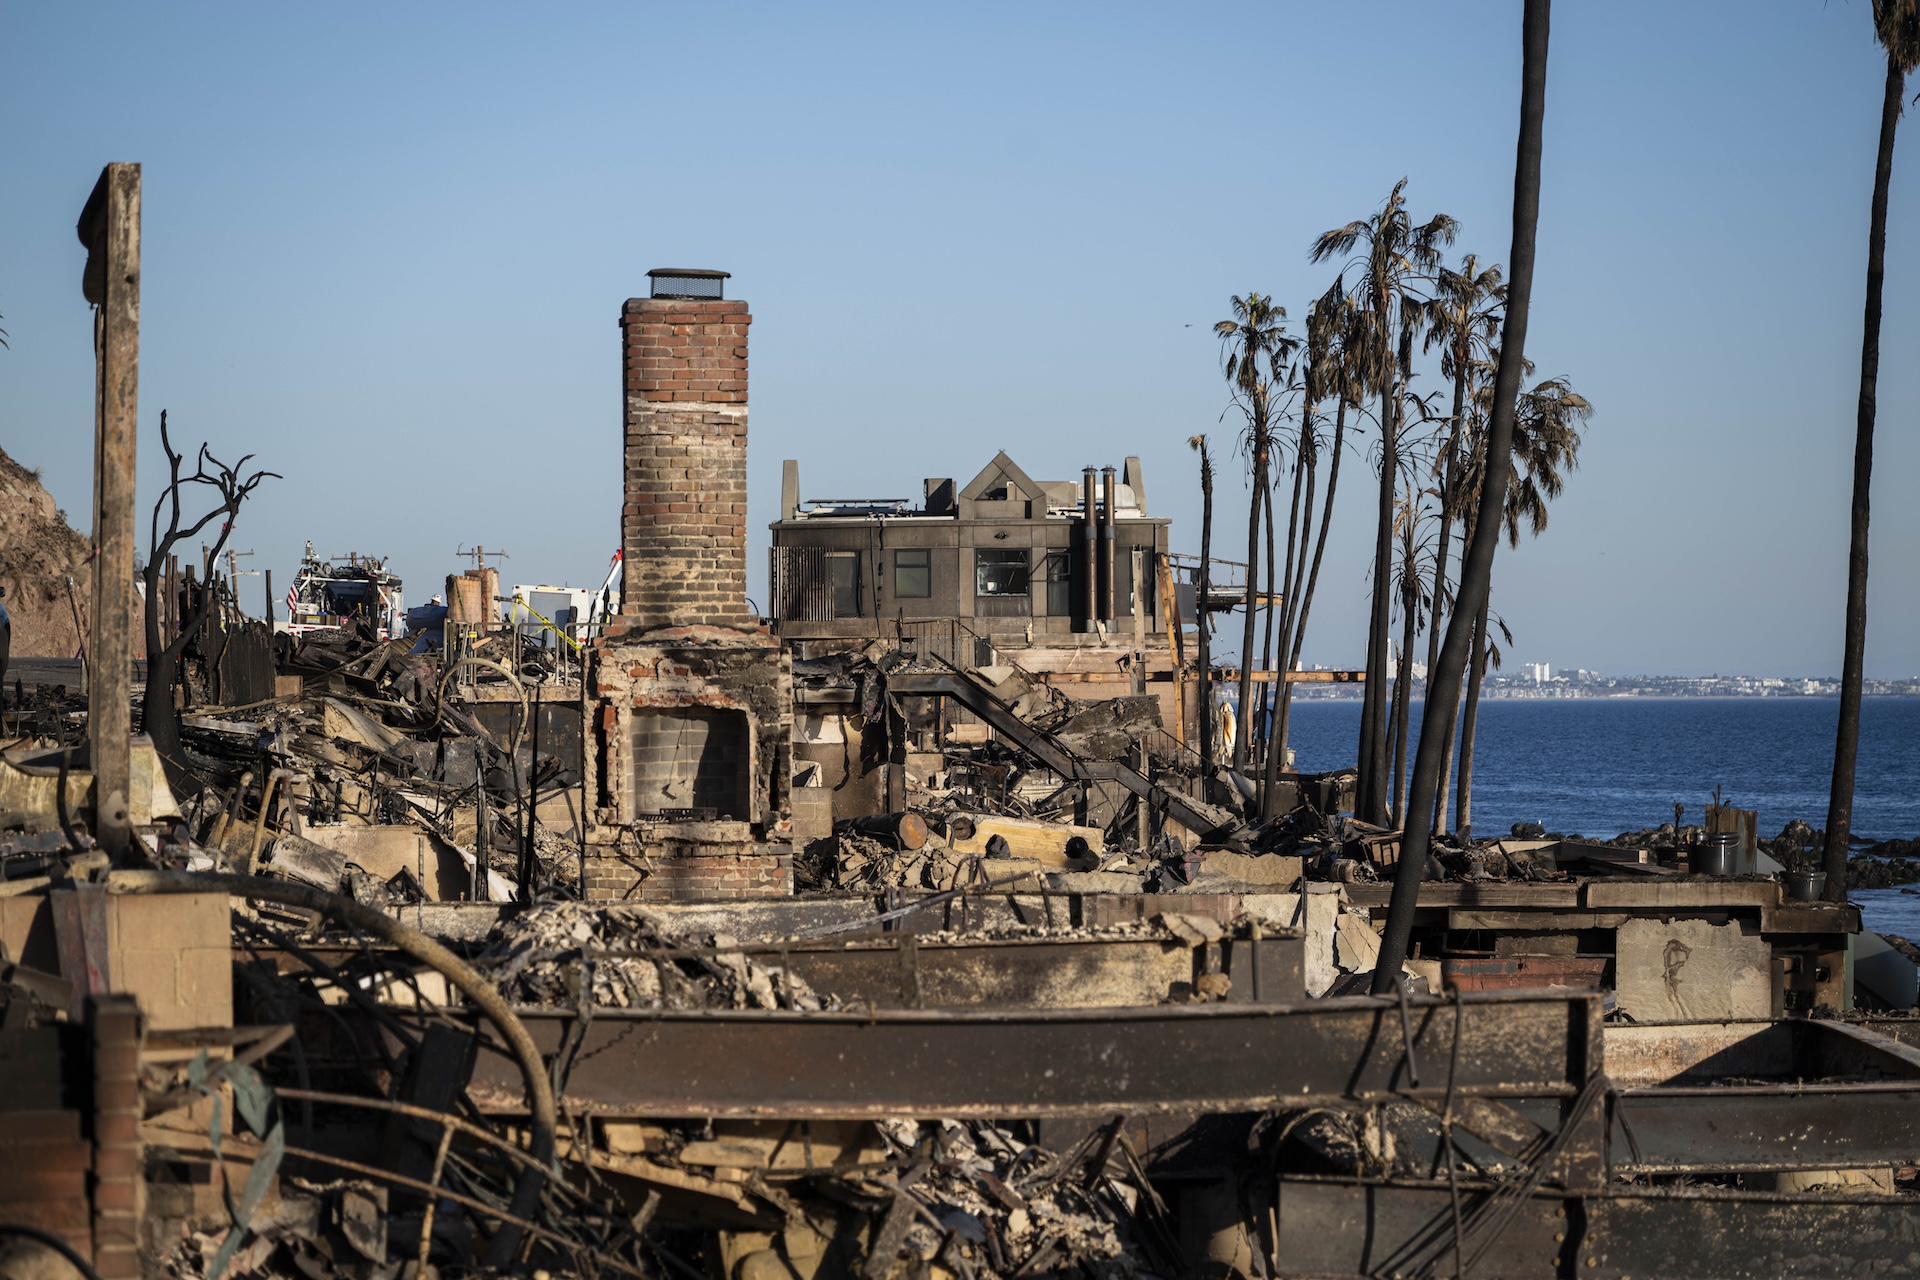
(38,552)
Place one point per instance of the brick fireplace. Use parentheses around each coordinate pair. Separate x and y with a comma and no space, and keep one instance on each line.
(690,739)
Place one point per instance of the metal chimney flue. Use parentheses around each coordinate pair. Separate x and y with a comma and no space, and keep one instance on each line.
(688,283)
(1106,545)
(1086,592)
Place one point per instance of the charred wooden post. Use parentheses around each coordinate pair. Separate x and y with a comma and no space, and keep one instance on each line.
(110,229)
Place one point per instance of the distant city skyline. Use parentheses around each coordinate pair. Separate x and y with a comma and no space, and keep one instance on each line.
(1538,679)
(385,250)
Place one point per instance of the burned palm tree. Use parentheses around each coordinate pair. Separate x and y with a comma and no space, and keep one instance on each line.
(1896,25)
(1320,372)
(1255,349)
(1393,257)
(1463,318)
(1413,584)
(1343,382)
(1547,424)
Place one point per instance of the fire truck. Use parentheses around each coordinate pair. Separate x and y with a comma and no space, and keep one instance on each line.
(328,594)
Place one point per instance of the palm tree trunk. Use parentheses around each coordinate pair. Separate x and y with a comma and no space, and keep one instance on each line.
(1477,577)
(1393,723)
(1243,738)
(1289,584)
(1264,720)
(1452,712)
(1403,700)
(1846,745)
(1266,634)
(1373,730)
(1313,576)
(1469,722)
(1439,611)
(1290,615)
(1202,616)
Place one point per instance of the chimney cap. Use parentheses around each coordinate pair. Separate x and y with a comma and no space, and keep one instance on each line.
(687,282)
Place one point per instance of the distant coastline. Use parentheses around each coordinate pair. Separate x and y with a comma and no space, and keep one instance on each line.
(1589,685)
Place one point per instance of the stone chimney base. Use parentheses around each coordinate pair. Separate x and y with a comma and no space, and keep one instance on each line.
(691,862)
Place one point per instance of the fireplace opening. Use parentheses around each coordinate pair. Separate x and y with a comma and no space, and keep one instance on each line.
(691,758)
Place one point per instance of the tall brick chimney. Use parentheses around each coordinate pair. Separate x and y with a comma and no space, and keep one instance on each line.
(689,743)
(684,523)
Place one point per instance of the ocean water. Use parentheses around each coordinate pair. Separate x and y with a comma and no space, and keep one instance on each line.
(1601,766)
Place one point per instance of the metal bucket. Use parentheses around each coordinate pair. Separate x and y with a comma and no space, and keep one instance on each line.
(1719,856)
(1806,886)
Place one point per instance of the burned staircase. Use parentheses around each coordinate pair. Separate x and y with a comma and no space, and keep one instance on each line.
(1211,823)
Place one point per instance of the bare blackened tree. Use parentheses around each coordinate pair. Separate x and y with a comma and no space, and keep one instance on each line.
(1203,717)
(160,718)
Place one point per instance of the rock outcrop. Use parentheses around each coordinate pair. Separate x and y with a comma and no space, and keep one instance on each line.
(39,551)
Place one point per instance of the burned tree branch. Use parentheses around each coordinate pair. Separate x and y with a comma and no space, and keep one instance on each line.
(160,718)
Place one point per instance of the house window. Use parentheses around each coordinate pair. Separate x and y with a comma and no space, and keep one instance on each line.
(1000,572)
(1059,572)
(913,574)
(843,574)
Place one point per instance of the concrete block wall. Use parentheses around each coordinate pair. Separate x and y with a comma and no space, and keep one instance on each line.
(698,879)
(684,522)
(691,757)
(174,954)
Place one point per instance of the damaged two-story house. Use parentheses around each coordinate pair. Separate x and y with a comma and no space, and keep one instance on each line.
(1018,562)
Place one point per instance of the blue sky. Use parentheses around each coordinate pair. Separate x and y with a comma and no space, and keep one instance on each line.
(386,247)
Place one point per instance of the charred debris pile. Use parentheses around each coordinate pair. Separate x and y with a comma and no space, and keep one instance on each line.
(322,1117)
(671,946)
(372,734)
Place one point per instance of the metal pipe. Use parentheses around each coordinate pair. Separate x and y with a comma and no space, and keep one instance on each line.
(1087,592)
(1107,611)
(484,995)
(266,804)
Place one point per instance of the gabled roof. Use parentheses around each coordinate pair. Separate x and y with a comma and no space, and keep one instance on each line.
(1003,468)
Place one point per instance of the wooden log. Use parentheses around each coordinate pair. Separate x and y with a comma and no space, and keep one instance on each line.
(1043,842)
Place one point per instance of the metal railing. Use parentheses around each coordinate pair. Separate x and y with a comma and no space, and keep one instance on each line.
(801,589)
